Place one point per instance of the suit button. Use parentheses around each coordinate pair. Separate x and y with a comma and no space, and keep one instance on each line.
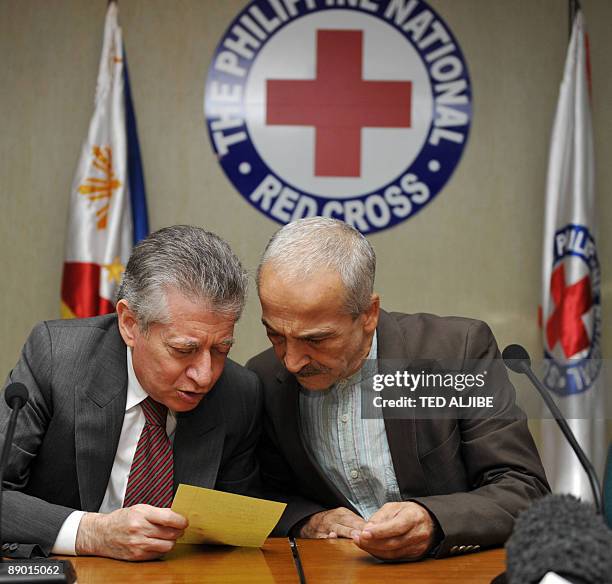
(454,549)
(461,549)
(354,474)
(476,548)
(469,548)
(13,547)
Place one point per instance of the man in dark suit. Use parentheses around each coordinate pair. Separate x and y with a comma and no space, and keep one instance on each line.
(125,407)
(401,486)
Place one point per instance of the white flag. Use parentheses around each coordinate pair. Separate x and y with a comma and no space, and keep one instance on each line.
(571,310)
(99,237)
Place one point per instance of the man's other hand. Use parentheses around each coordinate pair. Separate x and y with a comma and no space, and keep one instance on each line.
(134,533)
(397,531)
(340,522)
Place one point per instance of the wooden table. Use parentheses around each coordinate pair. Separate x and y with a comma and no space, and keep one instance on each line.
(323,561)
(341,561)
(187,563)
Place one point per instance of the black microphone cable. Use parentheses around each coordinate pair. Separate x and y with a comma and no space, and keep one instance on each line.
(295,552)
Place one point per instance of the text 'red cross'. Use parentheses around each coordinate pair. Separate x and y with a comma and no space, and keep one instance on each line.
(571,302)
(338,103)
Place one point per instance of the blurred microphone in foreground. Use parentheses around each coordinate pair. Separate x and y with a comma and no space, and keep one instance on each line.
(562,535)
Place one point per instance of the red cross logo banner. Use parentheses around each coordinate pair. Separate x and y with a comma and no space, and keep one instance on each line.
(360,113)
(573,367)
(339,103)
(565,325)
(571,315)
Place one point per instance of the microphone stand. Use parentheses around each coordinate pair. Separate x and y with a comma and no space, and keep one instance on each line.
(41,570)
(15,403)
(517,359)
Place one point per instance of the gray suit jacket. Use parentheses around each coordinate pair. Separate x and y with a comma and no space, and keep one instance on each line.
(473,475)
(67,434)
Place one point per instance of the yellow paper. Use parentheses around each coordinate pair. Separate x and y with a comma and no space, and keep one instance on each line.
(224,518)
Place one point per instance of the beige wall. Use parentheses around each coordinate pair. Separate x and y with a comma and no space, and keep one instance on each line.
(474,251)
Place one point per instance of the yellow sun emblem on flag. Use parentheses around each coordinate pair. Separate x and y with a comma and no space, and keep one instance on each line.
(101,189)
(115,270)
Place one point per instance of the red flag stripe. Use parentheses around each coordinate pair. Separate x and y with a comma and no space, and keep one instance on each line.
(81,290)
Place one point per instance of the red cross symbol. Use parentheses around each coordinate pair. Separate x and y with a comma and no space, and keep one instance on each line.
(565,324)
(338,103)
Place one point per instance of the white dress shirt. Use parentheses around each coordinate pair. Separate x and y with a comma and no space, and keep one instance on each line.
(133,423)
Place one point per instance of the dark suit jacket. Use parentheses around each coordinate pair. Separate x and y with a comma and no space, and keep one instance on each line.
(67,434)
(473,475)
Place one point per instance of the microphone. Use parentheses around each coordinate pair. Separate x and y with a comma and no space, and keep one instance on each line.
(517,359)
(16,396)
(563,535)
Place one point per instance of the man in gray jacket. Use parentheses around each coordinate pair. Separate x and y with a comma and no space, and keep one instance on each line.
(124,407)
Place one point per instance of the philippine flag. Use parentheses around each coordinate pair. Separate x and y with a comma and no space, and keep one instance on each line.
(108,211)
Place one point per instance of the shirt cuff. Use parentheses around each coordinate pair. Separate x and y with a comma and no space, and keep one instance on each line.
(65,543)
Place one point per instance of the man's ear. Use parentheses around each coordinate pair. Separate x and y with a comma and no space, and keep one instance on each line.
(371,314)
(128,324)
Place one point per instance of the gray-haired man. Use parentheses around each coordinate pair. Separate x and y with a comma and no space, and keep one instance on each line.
(401,488)
(125,407)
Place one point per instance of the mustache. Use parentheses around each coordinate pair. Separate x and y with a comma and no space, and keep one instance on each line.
(311,371)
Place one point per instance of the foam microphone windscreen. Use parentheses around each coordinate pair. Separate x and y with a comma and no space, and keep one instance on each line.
(560,534)
(16,395)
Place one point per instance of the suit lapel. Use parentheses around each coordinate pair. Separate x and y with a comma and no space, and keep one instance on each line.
(198,443)
(99,412)
(401,433)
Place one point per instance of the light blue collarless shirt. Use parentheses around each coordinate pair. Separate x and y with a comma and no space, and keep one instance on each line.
(352,452)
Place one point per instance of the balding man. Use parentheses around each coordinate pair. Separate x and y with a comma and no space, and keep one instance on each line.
(400,488)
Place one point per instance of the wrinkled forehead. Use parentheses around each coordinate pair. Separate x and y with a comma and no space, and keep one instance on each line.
(303,309)
(186,316)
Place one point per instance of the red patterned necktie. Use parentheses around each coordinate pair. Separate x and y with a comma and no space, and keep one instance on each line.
(152,472)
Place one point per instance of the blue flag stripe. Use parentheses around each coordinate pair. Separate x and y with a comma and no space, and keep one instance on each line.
(140,216)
